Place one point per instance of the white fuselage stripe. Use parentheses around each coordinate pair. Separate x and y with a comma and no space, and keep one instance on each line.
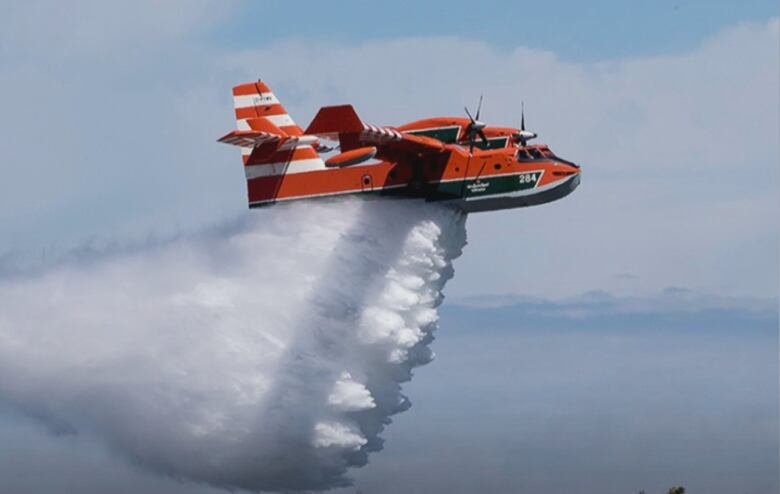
(297,166)
(488,177)
(284,168)
(326,194)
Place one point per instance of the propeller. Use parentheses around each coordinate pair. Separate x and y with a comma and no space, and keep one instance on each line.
(524,135)
(475,127)
(522,115)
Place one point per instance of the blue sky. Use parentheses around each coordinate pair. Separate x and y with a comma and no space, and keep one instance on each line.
(667,254)
(580,31)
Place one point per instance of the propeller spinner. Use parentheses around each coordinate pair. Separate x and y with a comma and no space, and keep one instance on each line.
(475,127)
(524,135)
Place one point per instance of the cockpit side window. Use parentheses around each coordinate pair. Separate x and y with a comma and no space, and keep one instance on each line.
(522,155)
(536,154)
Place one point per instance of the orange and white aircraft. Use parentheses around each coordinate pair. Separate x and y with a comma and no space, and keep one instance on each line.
(455,159)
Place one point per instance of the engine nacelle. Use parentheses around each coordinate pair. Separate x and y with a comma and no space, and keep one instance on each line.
(353,157)
(524,135)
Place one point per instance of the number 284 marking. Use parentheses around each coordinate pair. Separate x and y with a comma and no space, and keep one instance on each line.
(527,178)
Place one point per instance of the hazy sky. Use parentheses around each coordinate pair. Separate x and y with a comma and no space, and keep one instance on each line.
(594,394)
(111,112)
(590,401)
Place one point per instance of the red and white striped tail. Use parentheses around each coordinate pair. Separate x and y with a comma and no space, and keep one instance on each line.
(259,118)
(255,99)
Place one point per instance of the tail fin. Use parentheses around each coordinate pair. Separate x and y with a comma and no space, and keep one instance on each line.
(254,103)
(255,99)
(272,145)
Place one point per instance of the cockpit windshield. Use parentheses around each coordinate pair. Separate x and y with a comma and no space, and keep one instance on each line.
(530,154)
(540,153)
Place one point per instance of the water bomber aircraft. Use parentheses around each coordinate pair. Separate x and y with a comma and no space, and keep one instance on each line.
(460,160)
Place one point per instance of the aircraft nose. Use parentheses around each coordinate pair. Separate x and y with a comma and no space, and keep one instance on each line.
(570,172)
(566,169)
(577,177)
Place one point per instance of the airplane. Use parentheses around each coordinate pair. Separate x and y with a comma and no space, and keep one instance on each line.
(459,160)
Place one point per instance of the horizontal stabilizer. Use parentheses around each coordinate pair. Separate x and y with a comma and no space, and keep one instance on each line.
(262,131)
(247,138)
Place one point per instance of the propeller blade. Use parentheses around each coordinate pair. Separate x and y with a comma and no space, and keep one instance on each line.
(522,116)
(469,114)
(475,127)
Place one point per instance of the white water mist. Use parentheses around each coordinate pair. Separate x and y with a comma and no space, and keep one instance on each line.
(266,356)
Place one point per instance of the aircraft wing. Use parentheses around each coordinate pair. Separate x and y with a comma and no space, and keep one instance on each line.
(342,123)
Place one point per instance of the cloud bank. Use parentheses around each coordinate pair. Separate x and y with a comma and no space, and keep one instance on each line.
(266,356)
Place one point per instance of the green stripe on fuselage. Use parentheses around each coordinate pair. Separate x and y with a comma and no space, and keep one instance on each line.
(483,186)
(492,143)
(501,184)
(494,184)
(449,135)
(444,134)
